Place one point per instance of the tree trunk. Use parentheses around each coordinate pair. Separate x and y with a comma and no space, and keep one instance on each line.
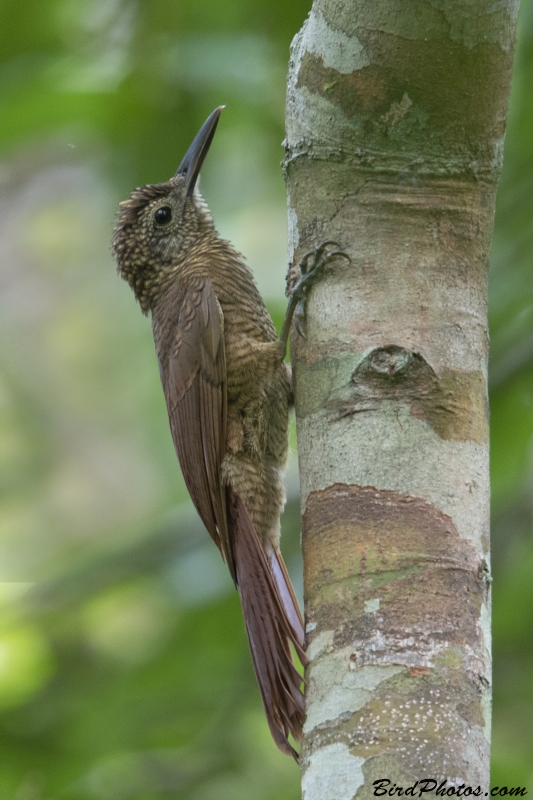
(395,124)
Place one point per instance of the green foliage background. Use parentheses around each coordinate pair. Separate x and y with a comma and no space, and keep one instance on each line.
(124,670)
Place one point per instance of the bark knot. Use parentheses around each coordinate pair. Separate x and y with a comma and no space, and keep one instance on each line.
(454,403)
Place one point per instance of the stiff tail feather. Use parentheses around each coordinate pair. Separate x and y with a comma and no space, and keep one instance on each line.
(273,622)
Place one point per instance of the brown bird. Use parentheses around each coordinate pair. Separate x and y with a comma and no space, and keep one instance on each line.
(228,393)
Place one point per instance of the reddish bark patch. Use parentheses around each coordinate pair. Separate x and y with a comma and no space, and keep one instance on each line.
(356,92)
(361,543)
(417,672)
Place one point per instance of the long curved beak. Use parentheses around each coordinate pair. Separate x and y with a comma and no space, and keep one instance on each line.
(195,155)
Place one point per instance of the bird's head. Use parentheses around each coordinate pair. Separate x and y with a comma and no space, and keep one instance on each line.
(158,224)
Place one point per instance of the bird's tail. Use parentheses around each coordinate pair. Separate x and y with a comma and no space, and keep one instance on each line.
(273,622)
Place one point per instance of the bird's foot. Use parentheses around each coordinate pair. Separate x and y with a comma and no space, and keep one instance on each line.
(321,257)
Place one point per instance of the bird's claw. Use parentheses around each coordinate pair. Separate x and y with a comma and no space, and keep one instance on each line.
(317,255)
(309,273)
(299,318)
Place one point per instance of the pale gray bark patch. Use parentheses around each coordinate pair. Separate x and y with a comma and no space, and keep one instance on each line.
(335,688)
(293,234)
(334,774)
(343,53)
(406,456)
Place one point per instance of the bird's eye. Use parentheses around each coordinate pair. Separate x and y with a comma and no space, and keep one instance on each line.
(163,215)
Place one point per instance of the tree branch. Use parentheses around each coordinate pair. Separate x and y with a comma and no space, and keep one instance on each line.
(395,125)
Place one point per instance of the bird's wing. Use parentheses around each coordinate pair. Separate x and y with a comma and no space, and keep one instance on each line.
(194,380)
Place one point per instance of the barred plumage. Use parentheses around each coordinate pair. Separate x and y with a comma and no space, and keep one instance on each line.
(228,393)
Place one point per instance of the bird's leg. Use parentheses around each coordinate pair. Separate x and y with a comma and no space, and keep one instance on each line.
(309,273)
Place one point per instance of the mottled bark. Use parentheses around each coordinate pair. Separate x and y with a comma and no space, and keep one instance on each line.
(395,124)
